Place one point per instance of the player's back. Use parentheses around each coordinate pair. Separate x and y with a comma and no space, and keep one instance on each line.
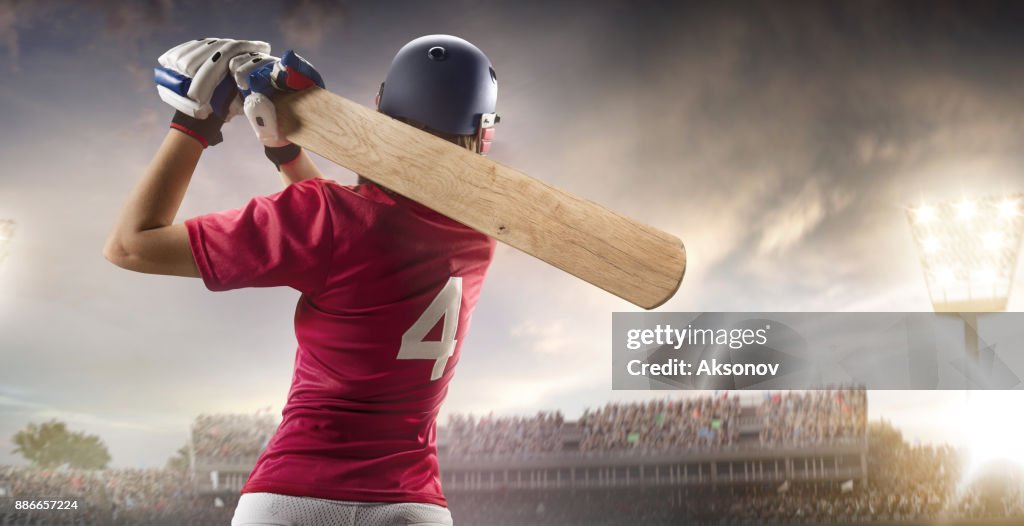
(377,345)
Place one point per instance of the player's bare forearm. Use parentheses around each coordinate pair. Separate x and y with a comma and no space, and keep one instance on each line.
(144,238)
(299,169)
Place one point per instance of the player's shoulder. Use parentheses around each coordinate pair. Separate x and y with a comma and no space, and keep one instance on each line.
(371,196)
(364,202)
(372,202)
(368,193)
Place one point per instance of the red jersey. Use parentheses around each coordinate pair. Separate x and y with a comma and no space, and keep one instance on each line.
(388,287)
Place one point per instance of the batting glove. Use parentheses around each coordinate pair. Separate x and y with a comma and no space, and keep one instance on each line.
(193,78)
(262,78)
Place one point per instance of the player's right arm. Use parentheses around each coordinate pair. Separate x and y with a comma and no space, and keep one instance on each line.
(262,78)
(298,170)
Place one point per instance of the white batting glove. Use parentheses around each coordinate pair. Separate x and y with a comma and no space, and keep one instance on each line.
(262,77)
(193,77)
(258,107)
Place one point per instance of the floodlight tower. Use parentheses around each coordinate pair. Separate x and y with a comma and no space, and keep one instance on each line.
(969,252)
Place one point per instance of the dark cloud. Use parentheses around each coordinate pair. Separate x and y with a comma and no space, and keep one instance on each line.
(126,24)
(8,31)
(305,24)
(813,124)
(129,24)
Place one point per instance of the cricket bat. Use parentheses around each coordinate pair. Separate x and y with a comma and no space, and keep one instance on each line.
(636,262)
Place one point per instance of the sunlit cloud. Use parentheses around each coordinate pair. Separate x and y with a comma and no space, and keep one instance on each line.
(798,216)
(306,24)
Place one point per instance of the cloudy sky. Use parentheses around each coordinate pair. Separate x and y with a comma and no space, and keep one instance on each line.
(780,140)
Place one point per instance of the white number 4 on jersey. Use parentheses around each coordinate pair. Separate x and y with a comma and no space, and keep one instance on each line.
(447,303)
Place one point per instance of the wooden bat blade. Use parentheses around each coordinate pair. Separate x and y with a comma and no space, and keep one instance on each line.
(634,261)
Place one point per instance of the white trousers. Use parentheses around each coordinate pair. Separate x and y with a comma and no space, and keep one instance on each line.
(271,509)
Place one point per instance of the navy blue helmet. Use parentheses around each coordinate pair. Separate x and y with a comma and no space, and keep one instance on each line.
(442,82)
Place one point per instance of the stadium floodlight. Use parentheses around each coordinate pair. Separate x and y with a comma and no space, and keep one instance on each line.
(966,210)
(6,235)
(969,251)
(924,214)
(1009,207)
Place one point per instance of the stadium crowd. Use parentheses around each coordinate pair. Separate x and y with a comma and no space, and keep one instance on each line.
(660,425)
(113,496)
(709,421)
(921,487)
(812,417)
(908,484)
(229,438)
(491,435)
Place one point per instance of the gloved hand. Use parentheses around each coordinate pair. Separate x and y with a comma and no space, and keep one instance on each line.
(194,80)
(262,78)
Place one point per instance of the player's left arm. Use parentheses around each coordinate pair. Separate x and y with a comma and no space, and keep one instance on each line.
(194,79)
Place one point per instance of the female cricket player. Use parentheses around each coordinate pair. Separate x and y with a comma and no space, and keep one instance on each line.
(387,285)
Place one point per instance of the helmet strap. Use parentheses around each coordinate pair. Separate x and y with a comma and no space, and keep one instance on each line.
(485,132)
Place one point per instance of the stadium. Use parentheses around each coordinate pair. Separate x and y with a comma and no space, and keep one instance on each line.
(807,457)
(836,157)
